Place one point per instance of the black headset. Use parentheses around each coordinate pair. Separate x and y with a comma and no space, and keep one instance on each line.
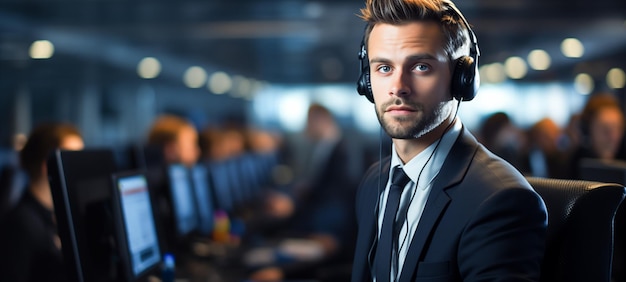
(465,78)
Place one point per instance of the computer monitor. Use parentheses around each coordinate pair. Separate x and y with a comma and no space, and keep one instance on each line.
(145,156)
(204,198)
(613,171)
(80,182)
(136,232)
(181,195)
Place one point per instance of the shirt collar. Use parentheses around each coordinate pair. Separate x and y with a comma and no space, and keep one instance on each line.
(431,169)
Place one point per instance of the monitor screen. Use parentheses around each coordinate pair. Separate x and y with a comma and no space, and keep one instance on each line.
(204,198)
(137,233)
(182,200)
(80,183)
(613,171)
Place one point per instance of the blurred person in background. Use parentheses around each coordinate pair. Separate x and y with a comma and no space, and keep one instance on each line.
(546,157)
(602,130)
(178,139)
(324,194)
(268,147)
(572,135)
(172,140)
(30,247)
(319,206)
(221,143)
(502,137)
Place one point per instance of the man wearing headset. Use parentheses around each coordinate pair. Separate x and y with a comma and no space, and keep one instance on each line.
(465,214)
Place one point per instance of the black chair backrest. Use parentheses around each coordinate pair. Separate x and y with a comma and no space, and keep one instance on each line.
(581,214)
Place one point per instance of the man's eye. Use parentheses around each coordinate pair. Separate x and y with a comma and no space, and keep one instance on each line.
(384,69)
(421,67)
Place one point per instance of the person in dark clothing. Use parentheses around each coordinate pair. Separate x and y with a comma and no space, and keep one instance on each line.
(602,127)
(323,204)
(29,243)
(441,207)
(324,199)
(501,136)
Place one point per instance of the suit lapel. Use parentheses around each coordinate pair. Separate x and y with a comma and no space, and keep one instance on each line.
(373,198)
(370,198)
(451,173)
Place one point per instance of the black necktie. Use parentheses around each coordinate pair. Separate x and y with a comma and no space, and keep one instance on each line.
(384,249)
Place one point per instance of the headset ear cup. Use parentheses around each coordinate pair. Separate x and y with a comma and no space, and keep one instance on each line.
(464,79)
(364,87)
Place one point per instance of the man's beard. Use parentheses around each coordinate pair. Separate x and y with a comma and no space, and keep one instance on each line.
(414,126)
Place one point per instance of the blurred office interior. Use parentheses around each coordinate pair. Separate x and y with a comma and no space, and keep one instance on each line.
(112,66)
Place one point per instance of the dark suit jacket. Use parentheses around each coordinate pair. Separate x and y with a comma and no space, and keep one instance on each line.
(482,221)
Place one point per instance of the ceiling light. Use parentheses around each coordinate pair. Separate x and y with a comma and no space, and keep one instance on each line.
(616,78)
(492,73)
(242,86)
(194,77)
(583,83)
(572,48)
(149,67)
(515,67)
(41,49)
(220,83)
(539,59)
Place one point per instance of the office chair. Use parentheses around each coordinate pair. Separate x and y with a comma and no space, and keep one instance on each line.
(579,244)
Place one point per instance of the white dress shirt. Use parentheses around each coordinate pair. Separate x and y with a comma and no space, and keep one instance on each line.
(422,171)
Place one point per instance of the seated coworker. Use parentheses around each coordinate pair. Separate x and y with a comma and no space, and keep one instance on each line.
(30,247)
(602,127)
(323,205)
(178,139)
